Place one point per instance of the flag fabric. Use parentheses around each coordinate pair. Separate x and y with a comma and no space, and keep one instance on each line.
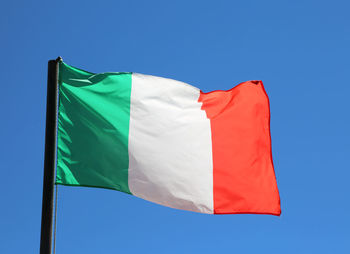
(166,141)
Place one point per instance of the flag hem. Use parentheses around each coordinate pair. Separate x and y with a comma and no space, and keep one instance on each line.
(92,186)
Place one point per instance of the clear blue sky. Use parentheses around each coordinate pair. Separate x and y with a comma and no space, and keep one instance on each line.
(300,49)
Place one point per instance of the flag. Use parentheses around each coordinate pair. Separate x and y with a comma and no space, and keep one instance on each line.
(166,141)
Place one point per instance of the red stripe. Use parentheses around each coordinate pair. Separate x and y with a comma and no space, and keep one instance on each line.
(244,178)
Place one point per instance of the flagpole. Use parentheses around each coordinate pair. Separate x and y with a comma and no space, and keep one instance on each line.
(50,157)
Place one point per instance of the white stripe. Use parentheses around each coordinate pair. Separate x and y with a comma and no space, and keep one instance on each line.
(170,150)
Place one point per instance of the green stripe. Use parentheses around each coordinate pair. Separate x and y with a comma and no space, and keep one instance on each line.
(93,129)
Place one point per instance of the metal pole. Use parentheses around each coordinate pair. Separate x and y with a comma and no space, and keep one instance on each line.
(50,157)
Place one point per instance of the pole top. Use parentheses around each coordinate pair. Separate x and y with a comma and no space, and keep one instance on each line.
(59,59)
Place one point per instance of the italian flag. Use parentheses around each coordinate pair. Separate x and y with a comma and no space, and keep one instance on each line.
(166,141)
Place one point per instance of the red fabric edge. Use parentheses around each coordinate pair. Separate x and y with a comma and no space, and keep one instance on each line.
(242,83)
(273,166)
(275,214)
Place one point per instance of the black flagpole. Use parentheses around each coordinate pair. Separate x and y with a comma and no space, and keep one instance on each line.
(50,157)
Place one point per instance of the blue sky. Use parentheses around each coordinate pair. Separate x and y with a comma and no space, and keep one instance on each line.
(300,49)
